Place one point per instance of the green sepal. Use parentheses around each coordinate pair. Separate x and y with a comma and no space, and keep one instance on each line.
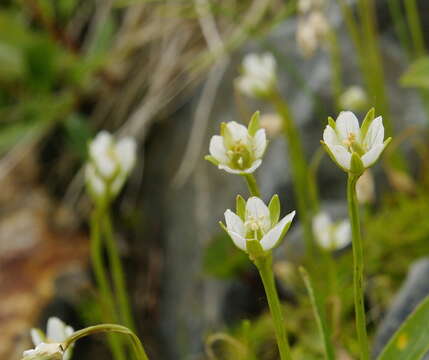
(254,249)
(356,165)
(369,118)
(228,139)
(240,207)
(274,207)
(326,147)
(222,225)
(254,124)
(331,122)
(211,159)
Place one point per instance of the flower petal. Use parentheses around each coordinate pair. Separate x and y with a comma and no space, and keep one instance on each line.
(229,170)
(55,330)
(330,137)
(372,155)
(346,124)
(217,149)
(238,131)
(252,168)
(96,184)
(273,237)
(342,156)
(321,223)
(234,223)
(37,336)
(375,134)
(257,209)
(126,153)
(342,234)
(238,240)
(259,143)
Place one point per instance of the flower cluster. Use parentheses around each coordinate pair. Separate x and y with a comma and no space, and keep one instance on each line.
(331,235)
(312,26)
(238,150)
(49,346)
(354,148)
(109,165)
(254,221)
(258,78)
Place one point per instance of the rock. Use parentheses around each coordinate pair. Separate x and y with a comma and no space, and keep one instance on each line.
(412,292)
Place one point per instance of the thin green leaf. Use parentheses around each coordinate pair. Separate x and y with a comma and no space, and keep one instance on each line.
(319,315)
(411,341)
(417,74)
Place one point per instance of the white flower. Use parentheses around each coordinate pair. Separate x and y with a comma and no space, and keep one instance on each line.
(238,150)
(109,164)
(311,30)
(56,333)
(258,75)
(44,351)
(352,148)
(331,235)
(255,221)
(354,98)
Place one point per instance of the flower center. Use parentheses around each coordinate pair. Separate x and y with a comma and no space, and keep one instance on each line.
(239,156)
(352,144)
(255,226)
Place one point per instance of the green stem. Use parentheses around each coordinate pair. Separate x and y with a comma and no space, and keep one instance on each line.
(357,267)
(399,24)
(117,273)
(109,328)
(299,167)
(108,305)
(252,185)
(415,26)
(264,265)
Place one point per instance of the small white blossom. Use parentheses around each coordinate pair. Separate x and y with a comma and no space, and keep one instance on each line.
(331,235)
(255,221)
(351,147)
(311,31)
(44,351)
(258,77)
(238,150)
(56,333)
(109,164)
(354,98)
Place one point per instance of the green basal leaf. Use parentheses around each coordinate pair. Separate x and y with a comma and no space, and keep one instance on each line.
(274,207)
(319,315)
(254,124)
(369,117)
(240,207)
(417,75)
(411,341)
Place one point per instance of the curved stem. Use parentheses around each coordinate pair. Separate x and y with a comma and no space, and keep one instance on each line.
(252,185)
(109,328)
(357,267)
(108,304)
(264,266)
(117,272)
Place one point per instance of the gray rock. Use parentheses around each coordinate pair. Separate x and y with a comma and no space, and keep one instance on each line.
(412,292)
